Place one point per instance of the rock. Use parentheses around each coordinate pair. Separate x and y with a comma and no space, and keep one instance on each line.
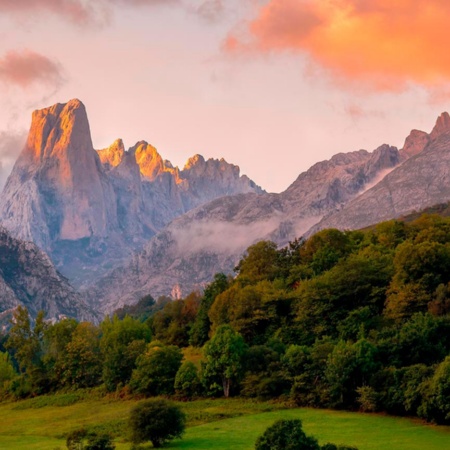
(28,278)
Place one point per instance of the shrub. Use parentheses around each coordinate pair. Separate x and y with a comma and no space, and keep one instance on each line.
(157,421)
(83,440)
(286,435)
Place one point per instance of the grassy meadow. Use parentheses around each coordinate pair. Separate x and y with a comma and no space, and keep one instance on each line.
(41,423)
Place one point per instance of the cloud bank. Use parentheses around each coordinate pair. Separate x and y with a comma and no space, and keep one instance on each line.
(381,43)
(24,68)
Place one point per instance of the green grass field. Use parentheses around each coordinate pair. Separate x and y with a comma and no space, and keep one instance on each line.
(212,424)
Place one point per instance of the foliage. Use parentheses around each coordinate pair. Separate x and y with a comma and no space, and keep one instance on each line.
(199,332)
(187,380)
(82,366)
(172,324)
(156,369)
(157,421)
(286,435)
(223,358)
(81,439)
(26,343)
(121,343)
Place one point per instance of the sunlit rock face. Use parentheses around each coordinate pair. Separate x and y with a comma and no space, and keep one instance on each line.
(57,189)
(187,253)
(349,191)
(91,209)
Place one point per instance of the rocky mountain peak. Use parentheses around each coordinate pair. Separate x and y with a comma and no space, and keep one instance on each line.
(442,125)
(149,160)
(383,158)
(414,144)
(194,161)
(58,180)
(112,156)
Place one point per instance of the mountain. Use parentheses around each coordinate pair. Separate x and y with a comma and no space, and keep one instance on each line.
(349,191)
(211,238)
(29,278)
(422,180)
(91,209)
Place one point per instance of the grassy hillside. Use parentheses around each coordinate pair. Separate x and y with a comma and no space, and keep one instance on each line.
(213,425)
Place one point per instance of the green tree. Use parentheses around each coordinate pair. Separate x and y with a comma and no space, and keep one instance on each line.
(157,421)
(199,333)
(26,344)
(419,269)
(223,358)
(121,343)
(286,435)
(82,366)
(7,372)
(156,369)
(350,366)
(173,323)
(56,338)
(436,403)
(187,380)
(260,263)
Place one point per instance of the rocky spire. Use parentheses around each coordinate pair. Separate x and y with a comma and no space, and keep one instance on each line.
(442,125)
(59,179)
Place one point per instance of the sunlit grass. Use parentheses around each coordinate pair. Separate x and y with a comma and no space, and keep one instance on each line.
(212,424)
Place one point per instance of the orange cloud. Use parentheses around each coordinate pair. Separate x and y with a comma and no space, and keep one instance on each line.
(26,68)
(383,43)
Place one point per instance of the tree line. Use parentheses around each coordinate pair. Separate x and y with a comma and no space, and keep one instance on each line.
(353,319)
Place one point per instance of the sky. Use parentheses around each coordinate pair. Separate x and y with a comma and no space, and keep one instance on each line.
(273,86)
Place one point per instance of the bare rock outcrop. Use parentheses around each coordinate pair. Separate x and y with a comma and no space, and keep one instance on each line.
(89,210)
(29,278)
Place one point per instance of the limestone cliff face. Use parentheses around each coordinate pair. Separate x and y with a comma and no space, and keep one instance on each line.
(28,278)
(91,209)
(211,238)
(422,180)
(57,190)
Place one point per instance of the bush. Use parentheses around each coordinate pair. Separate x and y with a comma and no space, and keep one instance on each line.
(286,435)
(83,440)
(157,421)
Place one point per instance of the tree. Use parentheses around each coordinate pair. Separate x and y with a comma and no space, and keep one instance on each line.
(83,365)
(26,344)
(156,369)
(223,357)
(121,343)
(286,435)
(187,381)
(56,338)
(7,372)
(260,263)
(157,421)
(198,334)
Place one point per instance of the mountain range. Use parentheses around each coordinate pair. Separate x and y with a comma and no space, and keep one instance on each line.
(120,224)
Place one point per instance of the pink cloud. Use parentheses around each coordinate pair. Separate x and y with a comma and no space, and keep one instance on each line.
(384,44)
(74,10)
(77,11)
(26,67)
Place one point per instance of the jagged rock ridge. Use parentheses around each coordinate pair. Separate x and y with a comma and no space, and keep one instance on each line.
(211,238)
(422,180)
(89,210)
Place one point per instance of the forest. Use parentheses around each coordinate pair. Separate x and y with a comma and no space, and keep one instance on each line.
(356,320)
